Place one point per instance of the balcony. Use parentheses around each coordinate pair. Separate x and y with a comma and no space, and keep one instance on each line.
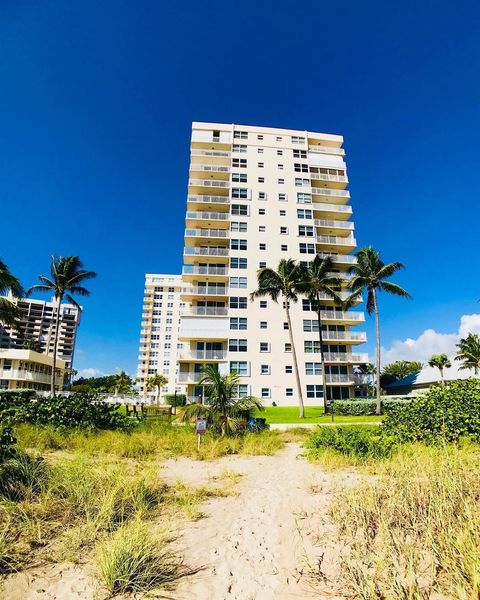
(329,177)
(346,259)
(187,333)
(210,168)
(341,295)
(351,317)
(339,378)
(208,183)
(216,153)
(189,378)
(206,199)
(214,355)
(21,375)
(196,270)
(207,233)
(202,311)
(346,243)
(326,150)
(346,357)
(207,216)
(200,251)
(205,290)
(354,337)
(334,195)
(332,224)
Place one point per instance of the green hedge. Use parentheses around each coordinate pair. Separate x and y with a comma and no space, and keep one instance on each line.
(359,441)
(356,408)
(180,399)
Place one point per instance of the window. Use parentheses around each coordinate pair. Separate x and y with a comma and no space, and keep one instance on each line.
(262,246)
(239,366)
(240,177)
(303,198)
(240,135)
(238,323)
(283,213)
(238,226)
(261,165)
(314,391)
(238,282)
(239,163)
(306,231)
(310,325)
(296,139)
(262,264)
(261,211)
(279,138)
(240,193)
(300,167)
(280,167)
(263,304)
(238,263)
(282,197)
(262,228)
(313,368)
(288,347)
(285,324)
(264,347)
(288,369)
(259,137)
(265,393)
(279,152)
(240,209)
(264,369)
(310,346)
(281,181)
(284,248)
(299,154)
(262,195)
(261,180)
(283,230)
(239,148)
(238,244)
(238,302)
(307,248)
(304,213)
(241,390)
(237,345)
(289,392)
(260,150)
(299,182)
(263,324)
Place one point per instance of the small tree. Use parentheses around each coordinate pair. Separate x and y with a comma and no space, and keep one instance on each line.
(156,382)
(441,361)
(122,384)
(10,314)
(469,352)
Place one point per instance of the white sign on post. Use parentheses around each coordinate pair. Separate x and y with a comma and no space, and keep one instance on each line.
(201,427)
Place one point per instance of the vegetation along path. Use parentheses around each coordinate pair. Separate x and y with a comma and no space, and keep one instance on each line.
(271,538)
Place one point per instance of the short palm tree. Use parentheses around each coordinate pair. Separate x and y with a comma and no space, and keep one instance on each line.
(469,352)
(370,274)
(66,278)
(222,407)
(441,361)
(9,313)
(316,280)
(283,283)
(156,382)
(122,383)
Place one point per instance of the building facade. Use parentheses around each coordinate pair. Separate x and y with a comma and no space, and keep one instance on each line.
(38,324)
(257,195)
(28,370)
(159,332)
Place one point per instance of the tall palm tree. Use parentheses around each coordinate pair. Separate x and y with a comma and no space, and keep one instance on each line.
(283,283)
(441,361)
(469,352)
(156,382)
(66,278)
(9,313)
(370,273)
(316,280)
(222,405)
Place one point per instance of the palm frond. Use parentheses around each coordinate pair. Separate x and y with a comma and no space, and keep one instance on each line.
(394,289)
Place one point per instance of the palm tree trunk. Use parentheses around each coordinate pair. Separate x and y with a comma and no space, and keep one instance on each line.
(158,396)
(55,344)
(322,355)
(377,336)
(441,376)
(295,363)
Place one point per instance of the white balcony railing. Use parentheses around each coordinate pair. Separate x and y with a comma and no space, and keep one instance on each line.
(339,258)
(329,192)
(208,183)
(208,199)
(337,315)
(208,216)
(326,150)
(22,375)
(202,290)
(190,250)
(196,270)
(203,334)
(328,177)
(208,233)
(354,336)
(346,357)
(203,354)
(338,378)
(338,208)
(189,377)
(214,168)
(336,240)
(334,224)
(202,311)
(197,152)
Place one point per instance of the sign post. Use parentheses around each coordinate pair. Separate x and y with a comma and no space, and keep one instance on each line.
(200,428)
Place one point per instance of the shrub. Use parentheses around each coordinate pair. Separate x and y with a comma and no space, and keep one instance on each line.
(178,400)
(446,413)
(356,408)
(355,441)
(7,443)
(76,410)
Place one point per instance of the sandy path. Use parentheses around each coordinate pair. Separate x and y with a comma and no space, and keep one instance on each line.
(261,543)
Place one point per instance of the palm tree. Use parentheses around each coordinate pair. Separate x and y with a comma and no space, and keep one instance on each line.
(469,352)
(122,383)
(66,277)
(283,282)
(370,273)
(441,361)
(222,405)
(316,280)
(9,313)
(156,382)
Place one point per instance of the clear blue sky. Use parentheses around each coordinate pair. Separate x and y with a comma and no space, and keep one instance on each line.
(96,102)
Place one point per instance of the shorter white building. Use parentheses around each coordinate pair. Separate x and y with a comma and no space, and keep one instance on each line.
(26,369)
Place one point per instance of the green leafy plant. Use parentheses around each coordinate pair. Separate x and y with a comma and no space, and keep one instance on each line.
(355,441)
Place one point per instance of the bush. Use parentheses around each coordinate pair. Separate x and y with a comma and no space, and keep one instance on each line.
(73,411)
(7,443)
(355,441)
(178,400)
(446,413)
(356,408)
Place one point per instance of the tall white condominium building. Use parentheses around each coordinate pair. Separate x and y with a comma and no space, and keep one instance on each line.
(159,333)
(257,195)
(38,324)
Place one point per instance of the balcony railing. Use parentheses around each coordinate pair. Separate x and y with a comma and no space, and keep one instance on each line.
(189,377)
(338,208)
(338,378)
(195,270)
(215,168)
(209,183)
(205,251)
(349,357)
(197,152)
(328,177)
(208,216)
(203,334)
(339,258)
(334,224)
(355,336)
(208,199)
(205,290)
(336,315)
(330,192)
(203,354)
(209,233)
(22,375)
(202,311)
(326,150)
(348,240)
(342,295)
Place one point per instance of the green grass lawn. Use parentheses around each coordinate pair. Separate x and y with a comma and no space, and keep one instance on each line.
(313,414)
